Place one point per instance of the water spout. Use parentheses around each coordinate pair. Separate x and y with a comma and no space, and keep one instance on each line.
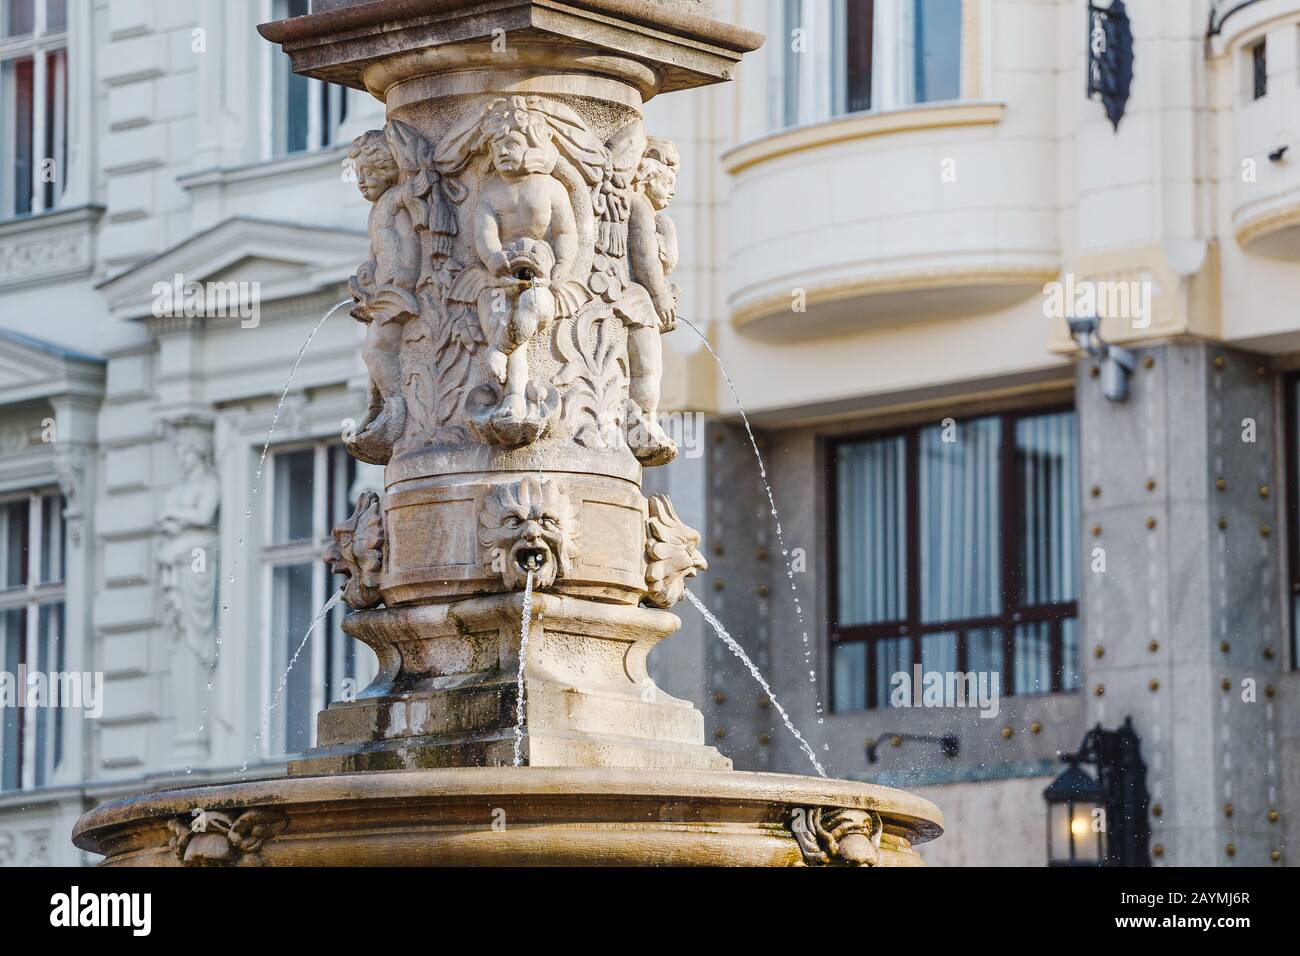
(523,657)
(776,518)
(744,659)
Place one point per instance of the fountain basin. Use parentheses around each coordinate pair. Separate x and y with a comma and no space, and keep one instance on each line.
(522,816)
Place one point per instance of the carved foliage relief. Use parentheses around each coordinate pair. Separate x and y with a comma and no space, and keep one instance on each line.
(517,283)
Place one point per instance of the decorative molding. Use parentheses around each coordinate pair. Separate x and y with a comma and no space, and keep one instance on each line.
(858,126)
(1268,223)
(1029,278)
(47,248)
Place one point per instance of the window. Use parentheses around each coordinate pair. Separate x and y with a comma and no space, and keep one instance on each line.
(305,113)
(954,546)
(310,493)
(1259,69)
(850,56)
(33,105)
(32,572)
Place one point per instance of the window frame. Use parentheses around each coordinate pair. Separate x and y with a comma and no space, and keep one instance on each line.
(38,46)
(328,100)
(911,626)
(818,83)
(306,551)
(30,598)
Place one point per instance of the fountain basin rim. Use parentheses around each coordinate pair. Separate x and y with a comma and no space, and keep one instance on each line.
(755,795)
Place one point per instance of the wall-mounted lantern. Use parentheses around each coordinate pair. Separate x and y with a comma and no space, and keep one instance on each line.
(1100,820)
(1110,57)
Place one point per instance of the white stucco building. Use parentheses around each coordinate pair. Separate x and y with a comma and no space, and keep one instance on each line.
(870,218)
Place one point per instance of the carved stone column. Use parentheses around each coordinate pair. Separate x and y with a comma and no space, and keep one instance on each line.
(518,287)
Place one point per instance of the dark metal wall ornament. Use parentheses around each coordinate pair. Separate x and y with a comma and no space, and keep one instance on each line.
(1110,57)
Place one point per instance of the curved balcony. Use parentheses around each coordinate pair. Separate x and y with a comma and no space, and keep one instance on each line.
(881,218)
(1259,43)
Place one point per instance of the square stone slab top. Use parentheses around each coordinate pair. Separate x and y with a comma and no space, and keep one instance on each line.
(674,41)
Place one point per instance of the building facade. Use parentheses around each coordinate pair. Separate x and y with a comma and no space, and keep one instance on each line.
(885,223)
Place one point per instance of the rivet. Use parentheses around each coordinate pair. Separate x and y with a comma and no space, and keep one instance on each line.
(1226,685)
(718,585)
(1265,531)
(1094,371)
(1263,491)
(1218,361)
(1151,524)
(1227,809)
(1272,816)
(1270,691)
(1231,849)
(1275,855)
(1224,646)
(764,739)
(1153,646)
(761,554)
(1096,491)
(761,443)
(1099,652)
(1007,733)
(761,590)
(1151,484)
(895,741)
(1154,685)
(1223,524)
(1158,850)
(1035,727)
(1099,690)
(1157,809)
(1149,362)
(718,550)
(764,702)
(1269,653)
(719,697)
(1096,530)
(719,732)
(1220,484)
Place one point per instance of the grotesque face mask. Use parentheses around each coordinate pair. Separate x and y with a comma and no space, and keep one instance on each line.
(529,525)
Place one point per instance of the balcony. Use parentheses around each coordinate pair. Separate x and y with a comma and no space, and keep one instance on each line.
(1260,42)
(881,218)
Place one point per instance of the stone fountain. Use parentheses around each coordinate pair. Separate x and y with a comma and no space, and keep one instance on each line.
(517,290)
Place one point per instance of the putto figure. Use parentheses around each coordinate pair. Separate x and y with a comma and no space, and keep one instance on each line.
(652,254)
(409,230)
(526,237)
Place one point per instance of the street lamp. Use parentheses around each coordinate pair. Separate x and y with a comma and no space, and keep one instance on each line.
(1076,819)
(1100,820)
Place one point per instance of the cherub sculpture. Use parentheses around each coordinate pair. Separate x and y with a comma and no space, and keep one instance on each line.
(525,235)
(410,230)
(652,254)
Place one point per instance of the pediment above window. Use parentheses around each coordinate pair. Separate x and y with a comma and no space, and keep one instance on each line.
(285,260)
(32,369)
